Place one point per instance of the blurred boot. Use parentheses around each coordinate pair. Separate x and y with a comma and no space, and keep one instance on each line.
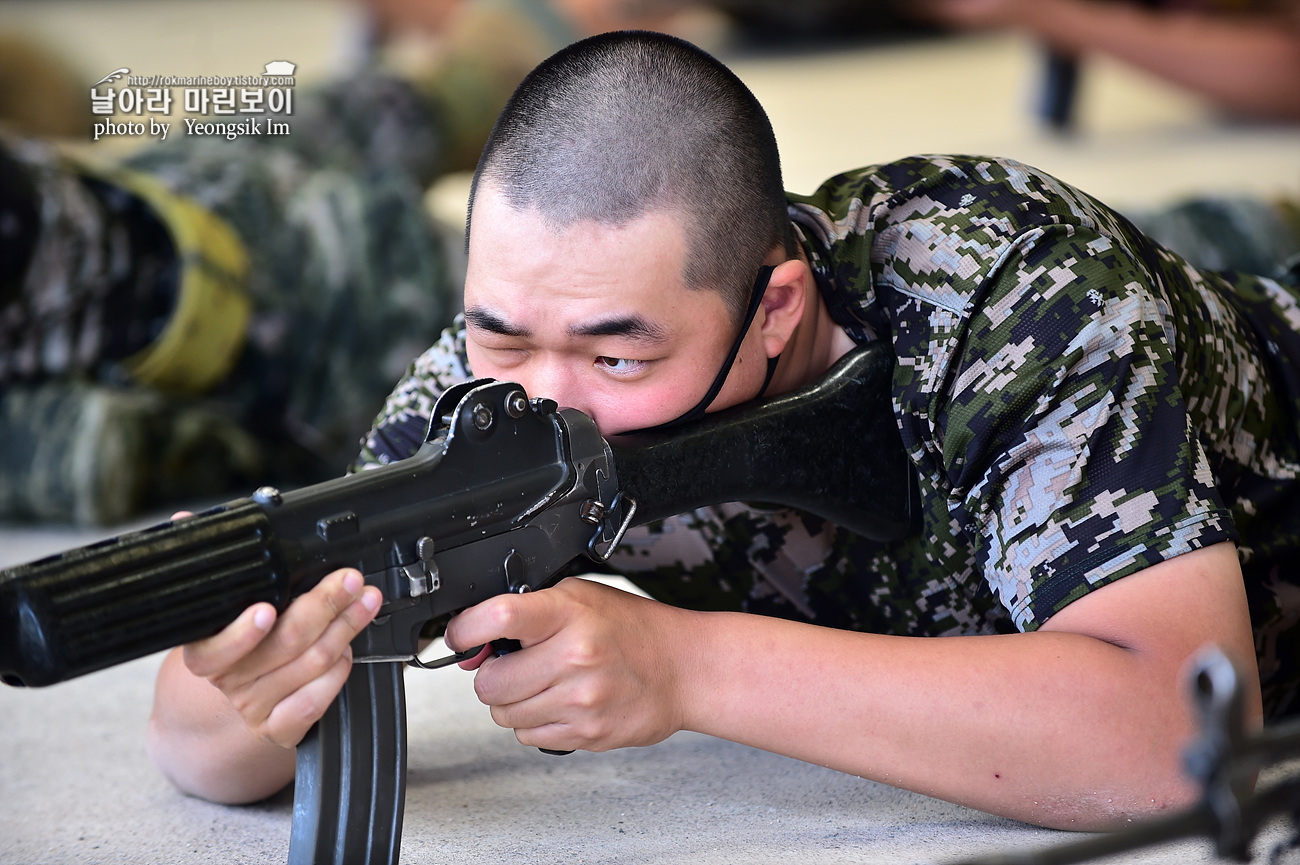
(106,276)
(117,278)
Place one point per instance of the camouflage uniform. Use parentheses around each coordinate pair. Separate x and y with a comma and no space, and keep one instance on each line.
(1079,402)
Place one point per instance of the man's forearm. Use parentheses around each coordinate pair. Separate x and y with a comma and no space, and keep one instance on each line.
(1056,729)
(1078,725)
(1246,64)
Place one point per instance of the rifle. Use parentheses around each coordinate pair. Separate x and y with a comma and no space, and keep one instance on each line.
(504,493)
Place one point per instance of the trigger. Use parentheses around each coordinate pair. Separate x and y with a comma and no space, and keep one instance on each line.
(446,660)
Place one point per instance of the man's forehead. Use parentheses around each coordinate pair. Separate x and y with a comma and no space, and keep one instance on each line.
(528,279)
(493,211)
(509,245)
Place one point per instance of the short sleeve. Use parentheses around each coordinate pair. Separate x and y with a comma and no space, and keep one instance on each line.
(403,422)
(1063,430)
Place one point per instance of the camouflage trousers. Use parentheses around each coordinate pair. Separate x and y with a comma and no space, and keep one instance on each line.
(343,278)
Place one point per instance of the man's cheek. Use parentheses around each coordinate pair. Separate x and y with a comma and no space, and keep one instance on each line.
(628,414)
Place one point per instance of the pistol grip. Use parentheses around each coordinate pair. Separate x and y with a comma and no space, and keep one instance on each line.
(505,647)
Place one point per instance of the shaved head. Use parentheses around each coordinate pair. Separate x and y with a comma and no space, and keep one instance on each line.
(621,124)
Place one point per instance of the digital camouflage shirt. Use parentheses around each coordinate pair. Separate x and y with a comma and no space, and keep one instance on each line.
(1079,403)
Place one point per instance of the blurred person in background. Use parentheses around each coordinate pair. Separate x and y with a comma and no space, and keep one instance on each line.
(207,314)
(1242,56)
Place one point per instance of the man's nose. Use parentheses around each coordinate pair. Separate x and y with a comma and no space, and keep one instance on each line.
(553,379)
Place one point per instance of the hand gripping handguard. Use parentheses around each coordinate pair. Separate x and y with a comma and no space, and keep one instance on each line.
(505,492)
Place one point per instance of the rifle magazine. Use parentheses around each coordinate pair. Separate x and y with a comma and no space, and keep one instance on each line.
(350,788)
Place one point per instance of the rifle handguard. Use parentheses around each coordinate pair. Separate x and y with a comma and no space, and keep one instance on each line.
(111,602)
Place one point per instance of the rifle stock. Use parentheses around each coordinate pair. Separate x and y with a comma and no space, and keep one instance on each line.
(505,492)
(831,448)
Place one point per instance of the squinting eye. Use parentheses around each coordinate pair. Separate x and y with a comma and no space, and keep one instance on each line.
(619,364)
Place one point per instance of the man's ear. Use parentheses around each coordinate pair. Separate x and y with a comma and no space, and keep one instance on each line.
(784,303)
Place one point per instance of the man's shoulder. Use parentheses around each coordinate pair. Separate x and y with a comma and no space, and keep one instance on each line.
(400,427)
(954,184)
(936,227)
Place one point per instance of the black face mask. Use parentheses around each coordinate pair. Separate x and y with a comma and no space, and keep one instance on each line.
(755,300)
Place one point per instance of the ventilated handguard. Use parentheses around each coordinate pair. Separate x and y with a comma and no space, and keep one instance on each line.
(111,602)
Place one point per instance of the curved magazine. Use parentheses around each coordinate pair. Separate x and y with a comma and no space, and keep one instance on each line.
(350,789)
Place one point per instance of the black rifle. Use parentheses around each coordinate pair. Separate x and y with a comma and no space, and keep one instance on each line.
(505,492)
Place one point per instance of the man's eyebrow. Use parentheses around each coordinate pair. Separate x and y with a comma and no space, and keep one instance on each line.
(630,326)
(491,322)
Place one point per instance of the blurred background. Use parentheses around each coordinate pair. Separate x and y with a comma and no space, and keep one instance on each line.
(1142,103)
(845,84)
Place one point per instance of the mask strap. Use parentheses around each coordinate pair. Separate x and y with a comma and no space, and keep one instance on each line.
(771,370)
(755,300)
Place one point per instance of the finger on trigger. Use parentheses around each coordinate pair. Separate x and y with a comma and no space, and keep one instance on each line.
(503,617)
(477,661)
